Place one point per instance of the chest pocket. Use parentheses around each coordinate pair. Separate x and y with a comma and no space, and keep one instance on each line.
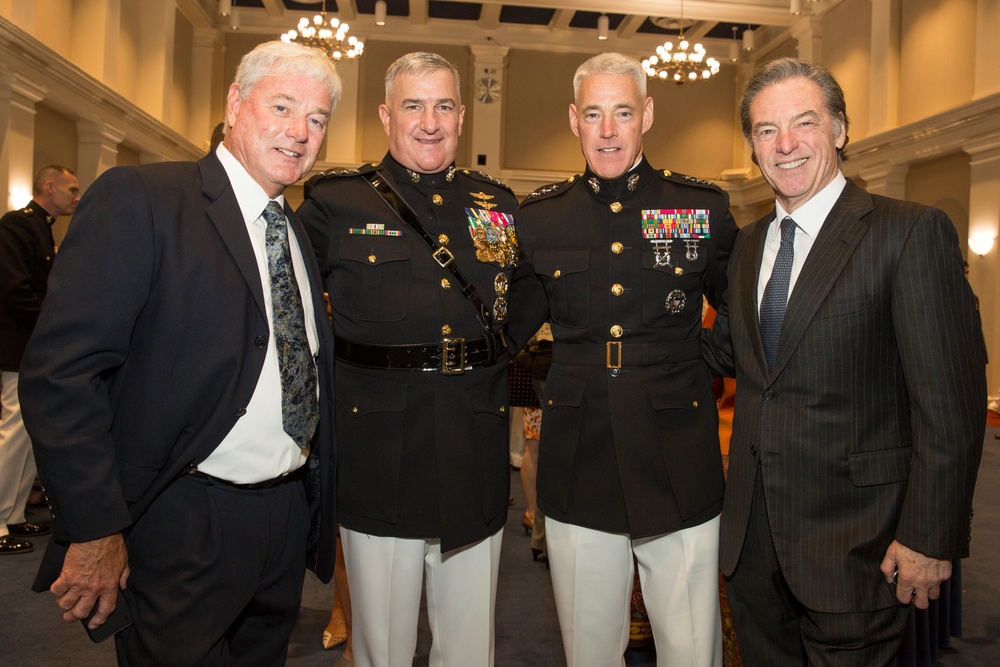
(564,276)
(671,277)
(371,280)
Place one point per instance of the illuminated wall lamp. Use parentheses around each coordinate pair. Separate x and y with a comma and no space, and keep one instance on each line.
(981,243)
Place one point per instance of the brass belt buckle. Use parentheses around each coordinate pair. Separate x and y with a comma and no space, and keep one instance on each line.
(456,346)
(443,257)
(617,347)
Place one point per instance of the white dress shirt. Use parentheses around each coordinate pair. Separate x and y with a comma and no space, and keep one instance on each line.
(257,448)
(808,221)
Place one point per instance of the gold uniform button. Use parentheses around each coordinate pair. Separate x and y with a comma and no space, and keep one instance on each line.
(437,200)
(679,270)
(445,330)
(371,259)
(617,289)
(617,331)
(616,207)
(549,403)
(354,410)
(617,248)
(667,172)
(445,283)
(443,239)
(556,274)
(694,403)
(503,409)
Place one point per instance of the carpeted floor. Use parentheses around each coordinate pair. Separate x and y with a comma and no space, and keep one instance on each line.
(527,633)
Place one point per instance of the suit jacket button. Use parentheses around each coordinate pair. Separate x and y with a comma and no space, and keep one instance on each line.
(241,412)
(768,395)
(259,341)
(753,451)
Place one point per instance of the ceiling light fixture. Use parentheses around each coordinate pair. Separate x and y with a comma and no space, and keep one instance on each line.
(380,10)
(734,48)
(682,65)
(748,39)
(327,36)
(602,26)
(795,7)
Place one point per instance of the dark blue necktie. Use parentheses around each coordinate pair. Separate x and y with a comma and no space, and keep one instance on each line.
(299,405)
(772,304)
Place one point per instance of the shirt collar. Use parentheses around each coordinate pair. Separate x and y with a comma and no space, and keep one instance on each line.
(249,195)
(810,216)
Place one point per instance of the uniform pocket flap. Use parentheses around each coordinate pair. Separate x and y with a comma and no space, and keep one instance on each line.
(558,263)
(669,394)
(369,395)
(881,467)
(374,250)
(562,390)
(489,397)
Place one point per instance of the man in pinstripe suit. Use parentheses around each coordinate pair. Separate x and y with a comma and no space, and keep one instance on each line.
(860,407)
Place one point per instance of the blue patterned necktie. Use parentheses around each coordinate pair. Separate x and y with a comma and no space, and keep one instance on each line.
(299,405)
(772,304)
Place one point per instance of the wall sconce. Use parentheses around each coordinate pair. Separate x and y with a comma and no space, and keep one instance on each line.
(602,26)
(981,243)
(380,10)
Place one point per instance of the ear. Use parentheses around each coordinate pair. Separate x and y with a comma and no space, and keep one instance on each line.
(574,120)
(233,102)
(841,137)
(461,118)
(383,114)
(647,115)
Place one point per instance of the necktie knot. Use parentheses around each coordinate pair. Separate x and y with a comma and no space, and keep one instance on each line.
(273,213)
(787,229)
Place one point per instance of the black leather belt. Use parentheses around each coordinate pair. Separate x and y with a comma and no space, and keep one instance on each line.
(295,475)
(452,356)
(614,354)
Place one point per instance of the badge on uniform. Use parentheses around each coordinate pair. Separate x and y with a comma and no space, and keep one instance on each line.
(661,226)
(494,236)
(375,229)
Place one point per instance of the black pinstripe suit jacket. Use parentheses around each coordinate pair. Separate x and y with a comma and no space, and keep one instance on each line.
(870,427)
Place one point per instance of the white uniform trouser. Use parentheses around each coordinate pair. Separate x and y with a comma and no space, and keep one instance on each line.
(592,577)
(386,574)
(17,463)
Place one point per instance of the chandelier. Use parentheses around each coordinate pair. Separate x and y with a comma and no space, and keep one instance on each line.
(682,65)
(330,37)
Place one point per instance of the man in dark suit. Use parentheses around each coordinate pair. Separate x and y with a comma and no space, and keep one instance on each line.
(174,384)
(421,363)
(620,260)
(860,380)
(26,253)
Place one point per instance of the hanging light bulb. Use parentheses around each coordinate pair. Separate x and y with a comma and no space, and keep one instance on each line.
(327,36)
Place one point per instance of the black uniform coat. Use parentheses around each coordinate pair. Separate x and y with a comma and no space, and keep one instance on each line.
(870,426)
(422,455)
(149,348)
(26,254)
(633,449)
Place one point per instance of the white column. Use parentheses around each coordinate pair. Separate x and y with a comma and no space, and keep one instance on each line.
(808,33)
(987,76)
(155,69)
(97,150)
(984,222)
(18,97)
(343,134)
(888,180)
(883,105)
(206,82)
(95,38)
(487,135)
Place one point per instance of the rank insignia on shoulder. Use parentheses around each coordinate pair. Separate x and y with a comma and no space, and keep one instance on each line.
(551,189)
(482,176)
(675,223)
(493,235)
(375,229)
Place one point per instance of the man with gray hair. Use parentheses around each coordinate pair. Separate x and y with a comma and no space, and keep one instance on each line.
(178,388)
(27,251)
(860,413)
(619,261)
(417,256)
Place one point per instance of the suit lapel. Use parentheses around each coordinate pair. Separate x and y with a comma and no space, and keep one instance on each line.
(224,212)
(840,234)
(749,274)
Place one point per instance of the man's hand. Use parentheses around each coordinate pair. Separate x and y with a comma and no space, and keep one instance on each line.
(92,574)
(917,577)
